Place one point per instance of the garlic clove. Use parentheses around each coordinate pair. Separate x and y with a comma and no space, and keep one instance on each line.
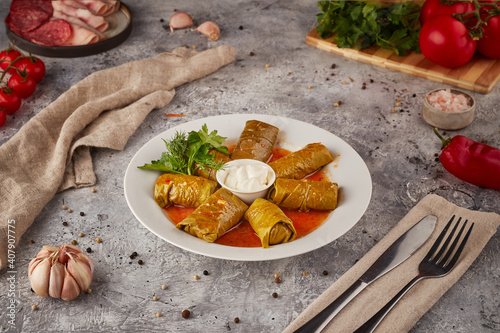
(209,29)
(70,289)
(40,278)
(46,251)
(85,258)
(180,20)
(66,251)
(81,272)
(56,279)
(31,266)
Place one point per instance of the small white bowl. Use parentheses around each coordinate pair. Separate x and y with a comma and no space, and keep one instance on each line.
(449,120)
(247,196)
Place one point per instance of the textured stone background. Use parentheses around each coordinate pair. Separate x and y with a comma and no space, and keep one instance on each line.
(399,149)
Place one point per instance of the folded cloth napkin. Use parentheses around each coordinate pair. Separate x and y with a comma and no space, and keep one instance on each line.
(424,294)
(50,152)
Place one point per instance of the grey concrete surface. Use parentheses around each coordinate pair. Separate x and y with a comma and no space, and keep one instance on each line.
(398,148)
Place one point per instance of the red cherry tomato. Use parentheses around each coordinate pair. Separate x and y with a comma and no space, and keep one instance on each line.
(446,42)
(23,85)
(489,44)
(9,100)
(433,8)
(6,56)
(34,67)
(3,117)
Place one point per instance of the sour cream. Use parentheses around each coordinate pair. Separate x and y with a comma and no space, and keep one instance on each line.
(246,175)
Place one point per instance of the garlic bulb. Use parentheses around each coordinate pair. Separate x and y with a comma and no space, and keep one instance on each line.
(60,272)
(180,20)
(209,29)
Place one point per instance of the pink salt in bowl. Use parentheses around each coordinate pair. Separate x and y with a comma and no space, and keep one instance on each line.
(448,111)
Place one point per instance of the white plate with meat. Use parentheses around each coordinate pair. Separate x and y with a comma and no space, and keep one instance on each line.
(348,170)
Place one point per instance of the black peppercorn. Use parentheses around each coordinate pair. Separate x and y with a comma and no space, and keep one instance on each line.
(275,295)
(140,262)
(205,272)
(325,272)
(82,214)
(65,223)
(89,250)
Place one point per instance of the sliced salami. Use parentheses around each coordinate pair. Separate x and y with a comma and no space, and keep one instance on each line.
(27,18)
(52,33)
(45,5)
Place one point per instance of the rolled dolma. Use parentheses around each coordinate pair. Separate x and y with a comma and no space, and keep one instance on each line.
(304,194)
(183,190)
(302,162)
(270,223)
(208,172)
(219,213)
(256,141)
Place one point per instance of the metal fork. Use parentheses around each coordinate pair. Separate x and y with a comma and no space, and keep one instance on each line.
(435,264)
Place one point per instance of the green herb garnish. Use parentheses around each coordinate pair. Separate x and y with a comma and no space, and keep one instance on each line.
(188,152)
(359,24)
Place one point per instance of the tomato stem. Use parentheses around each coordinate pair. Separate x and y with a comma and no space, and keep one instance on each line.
(476,31)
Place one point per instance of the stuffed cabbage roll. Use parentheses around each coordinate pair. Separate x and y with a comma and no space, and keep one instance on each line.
(219,213)
(183,190)
(256,141)
(208,172)
(302,162)
(304,194)
(270,223)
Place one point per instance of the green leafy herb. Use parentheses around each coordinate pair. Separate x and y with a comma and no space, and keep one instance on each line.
(188,152)
(359,24)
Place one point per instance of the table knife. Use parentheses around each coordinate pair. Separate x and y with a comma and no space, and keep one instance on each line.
(397,253)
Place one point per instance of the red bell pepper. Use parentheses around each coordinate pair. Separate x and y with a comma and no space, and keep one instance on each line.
(471,161)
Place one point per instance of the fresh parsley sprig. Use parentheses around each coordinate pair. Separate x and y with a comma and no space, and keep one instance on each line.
(359,24)
(188,152)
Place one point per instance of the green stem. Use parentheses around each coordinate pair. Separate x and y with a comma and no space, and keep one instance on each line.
(445,142)
(11,66)
(476,32)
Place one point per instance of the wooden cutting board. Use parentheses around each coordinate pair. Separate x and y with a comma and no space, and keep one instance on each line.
(480,74)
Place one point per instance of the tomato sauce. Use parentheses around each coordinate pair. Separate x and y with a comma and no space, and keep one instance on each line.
(242,235)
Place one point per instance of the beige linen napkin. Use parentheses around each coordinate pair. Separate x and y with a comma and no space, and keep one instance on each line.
(424,294)
(51,153)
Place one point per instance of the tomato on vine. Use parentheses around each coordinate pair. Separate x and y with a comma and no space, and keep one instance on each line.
(7,56)
(22,84)
(432,8)
(489,44)
(3,117)
(9,100)
(446,42)
(33,66)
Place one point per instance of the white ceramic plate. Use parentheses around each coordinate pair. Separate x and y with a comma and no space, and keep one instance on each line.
(348,170)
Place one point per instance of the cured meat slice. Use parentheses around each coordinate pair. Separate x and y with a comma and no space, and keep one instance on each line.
(73,21)
(97,22)
(96,7)
(27,18)
(53,33)
(114,5)
(45,5)
(81,36)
